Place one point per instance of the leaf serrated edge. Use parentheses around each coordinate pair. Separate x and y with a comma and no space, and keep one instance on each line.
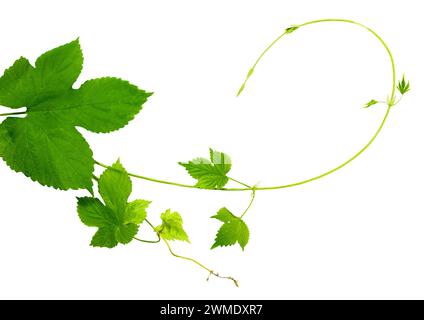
(88,188)
(132,116)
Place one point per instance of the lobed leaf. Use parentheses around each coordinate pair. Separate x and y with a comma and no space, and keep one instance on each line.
(172,227)
(234,230)
(210,174)
(118,221)
(45,145)
(136,211)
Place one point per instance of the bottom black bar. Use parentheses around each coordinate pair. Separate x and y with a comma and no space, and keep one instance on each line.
(211,309)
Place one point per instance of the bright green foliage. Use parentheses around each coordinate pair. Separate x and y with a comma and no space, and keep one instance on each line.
(172,227)
(45,145)
(232,231)
(212,173)
(116,219)
(403,86)
(370,103)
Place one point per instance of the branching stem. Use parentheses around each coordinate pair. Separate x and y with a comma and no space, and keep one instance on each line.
(250,203)
(239,182)
(211,272)
(399,100)
(150,241)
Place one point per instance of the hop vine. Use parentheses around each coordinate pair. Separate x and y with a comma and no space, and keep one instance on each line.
(40,139)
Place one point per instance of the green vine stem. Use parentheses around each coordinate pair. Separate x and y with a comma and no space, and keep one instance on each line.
(149,241)
(252,198)
(251,70)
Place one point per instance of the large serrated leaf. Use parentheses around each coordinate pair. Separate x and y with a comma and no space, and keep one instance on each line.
(45,145)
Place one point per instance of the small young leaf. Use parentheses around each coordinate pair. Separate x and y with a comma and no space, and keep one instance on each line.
(210,174)
(172,227)
(291,29)
(232,231)
(45,145)
(136,211)
(403,86)
(370,103)
(117,220)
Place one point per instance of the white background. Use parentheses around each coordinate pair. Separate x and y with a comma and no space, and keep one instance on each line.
(358,233)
